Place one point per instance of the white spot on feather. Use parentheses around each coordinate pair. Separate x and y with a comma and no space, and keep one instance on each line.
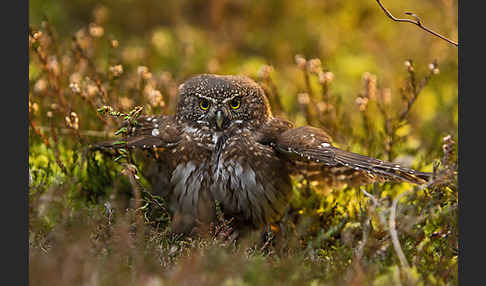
(216,136)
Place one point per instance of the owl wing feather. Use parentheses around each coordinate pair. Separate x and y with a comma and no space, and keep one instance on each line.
(149,132)
(309,150)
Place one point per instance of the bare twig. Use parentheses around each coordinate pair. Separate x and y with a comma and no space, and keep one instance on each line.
(376,204)
(417,22)
(392,225)
(37,132)
(391,229)
(373,199)
(359,252)
(366,233)
(394,234)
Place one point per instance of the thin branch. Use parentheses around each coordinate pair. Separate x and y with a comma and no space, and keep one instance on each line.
(375,201)
(366,233)
(38,133)
(392,224)
(376,205)
(391,227)
(417,22)
(394,234)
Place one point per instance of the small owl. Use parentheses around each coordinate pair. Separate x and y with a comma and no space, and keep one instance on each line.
(223,144)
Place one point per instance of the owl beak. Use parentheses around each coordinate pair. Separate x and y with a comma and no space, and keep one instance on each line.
(219,118)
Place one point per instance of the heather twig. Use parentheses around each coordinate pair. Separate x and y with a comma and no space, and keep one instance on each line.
(270,89)
(96,75)
(368,94)
(56,148)
(47,65)
(410,95)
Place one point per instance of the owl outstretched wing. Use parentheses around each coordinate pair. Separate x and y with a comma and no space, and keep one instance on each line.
(309,151)
(149,132)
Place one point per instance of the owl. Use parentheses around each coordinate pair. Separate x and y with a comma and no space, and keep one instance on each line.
(224,145)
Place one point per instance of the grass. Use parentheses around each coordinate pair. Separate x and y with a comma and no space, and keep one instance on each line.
(87,224)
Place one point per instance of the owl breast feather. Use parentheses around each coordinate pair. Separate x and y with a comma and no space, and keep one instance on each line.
(249,181)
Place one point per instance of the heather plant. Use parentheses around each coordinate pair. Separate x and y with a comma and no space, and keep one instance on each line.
(92,216)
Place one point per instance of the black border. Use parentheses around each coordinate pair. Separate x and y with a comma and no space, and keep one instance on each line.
(471,144)
(14,162)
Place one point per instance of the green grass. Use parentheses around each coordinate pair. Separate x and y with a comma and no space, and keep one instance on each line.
(85,225)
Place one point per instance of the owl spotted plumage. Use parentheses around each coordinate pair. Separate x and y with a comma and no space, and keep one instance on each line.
(223,144)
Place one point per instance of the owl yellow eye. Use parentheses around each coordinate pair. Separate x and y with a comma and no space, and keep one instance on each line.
(204,104)
(235,103)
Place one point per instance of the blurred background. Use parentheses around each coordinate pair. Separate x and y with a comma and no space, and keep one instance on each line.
(183,38)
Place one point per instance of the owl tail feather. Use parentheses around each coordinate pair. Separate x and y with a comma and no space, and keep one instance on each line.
(387,170)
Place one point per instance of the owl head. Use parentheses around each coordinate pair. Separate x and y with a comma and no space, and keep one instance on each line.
(222,102)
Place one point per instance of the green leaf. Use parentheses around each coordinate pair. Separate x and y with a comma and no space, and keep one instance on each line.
(121,130)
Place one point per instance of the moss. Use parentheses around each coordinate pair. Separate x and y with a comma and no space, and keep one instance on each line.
(83,223)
